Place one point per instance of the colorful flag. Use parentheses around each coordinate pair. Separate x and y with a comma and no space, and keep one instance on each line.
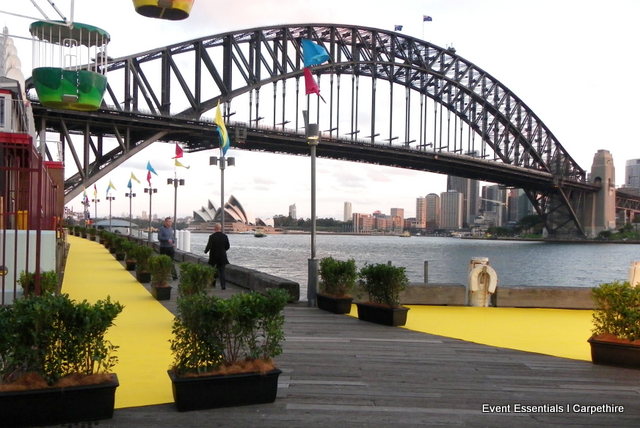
(426,18)
(133,177)
(177,163)
(95,192)
(312,53)
(149,171)
(222,130)
(398,28)
(179,152)
(311,87)
(129,184)
(110,186)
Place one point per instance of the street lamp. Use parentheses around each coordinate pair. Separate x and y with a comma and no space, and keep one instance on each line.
(213,160)
(150,190)
(176,182)
(95,209)
(110,198)
(130,195)
(313,137)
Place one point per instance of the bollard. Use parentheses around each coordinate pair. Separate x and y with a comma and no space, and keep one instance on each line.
(634,274)
(482,282)
(426,271)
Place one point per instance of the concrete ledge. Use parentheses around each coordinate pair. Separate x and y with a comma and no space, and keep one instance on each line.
(260,281)
(433,294)
(513,296)
(544,297)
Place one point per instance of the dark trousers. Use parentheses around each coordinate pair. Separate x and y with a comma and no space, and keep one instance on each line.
(223,281)
(170,251)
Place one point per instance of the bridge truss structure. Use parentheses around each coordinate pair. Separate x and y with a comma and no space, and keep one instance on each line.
(390,100)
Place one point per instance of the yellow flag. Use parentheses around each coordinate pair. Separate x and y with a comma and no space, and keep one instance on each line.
(177,163)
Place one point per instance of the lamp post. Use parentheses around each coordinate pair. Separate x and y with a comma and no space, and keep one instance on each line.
(313,137)
(110,198)
(222,162)
(130,195)
(176,182)
(150,190)
(95,209)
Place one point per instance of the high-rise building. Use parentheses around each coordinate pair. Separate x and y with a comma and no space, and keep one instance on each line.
(451,210)
(362,223)
(494,203)
(519,205)
(432,211)
(397,219)
(470,192)
(632,175)
(347,211)
(292,212)
(421,213)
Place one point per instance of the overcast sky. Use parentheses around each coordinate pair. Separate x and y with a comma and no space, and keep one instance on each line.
(573,62)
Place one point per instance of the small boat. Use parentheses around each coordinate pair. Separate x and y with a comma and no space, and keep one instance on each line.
(405,234)
(259,235)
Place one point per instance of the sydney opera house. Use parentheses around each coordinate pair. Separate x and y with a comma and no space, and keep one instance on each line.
(235,218)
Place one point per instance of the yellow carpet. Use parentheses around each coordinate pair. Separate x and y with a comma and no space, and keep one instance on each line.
(142,330)
(557,332)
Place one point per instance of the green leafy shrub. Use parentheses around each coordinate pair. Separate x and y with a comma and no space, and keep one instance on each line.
(383,283)
(338,277)
(160,268)
(48,283)
(617,310)
(142,255)
(210,333)
(194,278)
(54,336)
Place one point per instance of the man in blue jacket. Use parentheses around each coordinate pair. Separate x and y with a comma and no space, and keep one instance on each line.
(168,242)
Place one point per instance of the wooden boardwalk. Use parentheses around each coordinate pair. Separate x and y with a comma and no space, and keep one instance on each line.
(339,371)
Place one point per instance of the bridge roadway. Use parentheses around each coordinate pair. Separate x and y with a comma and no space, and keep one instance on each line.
(339,371)
(131,129)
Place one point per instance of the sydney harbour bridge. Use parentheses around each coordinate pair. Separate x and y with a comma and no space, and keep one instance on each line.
(388,99)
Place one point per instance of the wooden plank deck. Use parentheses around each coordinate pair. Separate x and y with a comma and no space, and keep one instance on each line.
(339,371)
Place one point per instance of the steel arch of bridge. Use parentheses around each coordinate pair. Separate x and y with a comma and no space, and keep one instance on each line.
(243,62)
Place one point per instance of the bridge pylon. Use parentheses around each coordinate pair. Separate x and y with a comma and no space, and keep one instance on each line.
(600,210)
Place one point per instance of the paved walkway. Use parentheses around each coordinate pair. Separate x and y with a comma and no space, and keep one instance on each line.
(338,370)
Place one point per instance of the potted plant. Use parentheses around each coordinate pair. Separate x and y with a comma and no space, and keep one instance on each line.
(194,278)
(160,267)
(119,247)
(92,233)
(616,325)
(223,349)
(48,283)
(83,232)
(130,255)
(56,363)
(383,283)
(143,255)
(101,236)
(337,279)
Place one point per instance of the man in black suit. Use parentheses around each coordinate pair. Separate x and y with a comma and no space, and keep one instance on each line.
(218,244)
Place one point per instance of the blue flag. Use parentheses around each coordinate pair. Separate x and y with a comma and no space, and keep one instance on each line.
(426,18)
(398,28)
(313,54)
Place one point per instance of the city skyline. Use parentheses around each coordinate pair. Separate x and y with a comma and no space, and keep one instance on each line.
(501,37)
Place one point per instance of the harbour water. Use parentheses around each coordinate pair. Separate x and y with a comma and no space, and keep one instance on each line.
(516,262)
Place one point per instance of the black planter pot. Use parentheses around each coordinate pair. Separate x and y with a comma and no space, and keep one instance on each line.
(209,392)
(92,237)
(54,406)
(130,265)
(161,293)
(112,250)
(336,305)
(382,314)
(614,353)
(143,277)
(120,256)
